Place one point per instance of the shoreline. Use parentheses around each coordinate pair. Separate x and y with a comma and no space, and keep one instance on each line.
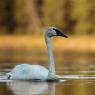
(73,43)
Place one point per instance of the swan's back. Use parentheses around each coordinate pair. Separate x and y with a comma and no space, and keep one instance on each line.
(28,72)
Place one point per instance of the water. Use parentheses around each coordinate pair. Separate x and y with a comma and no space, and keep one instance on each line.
(78,71)
(68,87)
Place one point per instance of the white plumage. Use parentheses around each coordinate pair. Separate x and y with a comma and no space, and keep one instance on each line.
(37,72)
(28,72)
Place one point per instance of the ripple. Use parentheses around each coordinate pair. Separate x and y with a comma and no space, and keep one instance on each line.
(76,76)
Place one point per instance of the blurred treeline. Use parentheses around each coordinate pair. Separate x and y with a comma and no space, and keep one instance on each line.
(32,16)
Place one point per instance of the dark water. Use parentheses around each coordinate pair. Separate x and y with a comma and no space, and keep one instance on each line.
(69,87)
(78,71)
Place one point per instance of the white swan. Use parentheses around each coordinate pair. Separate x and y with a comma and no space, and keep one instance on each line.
(37,72)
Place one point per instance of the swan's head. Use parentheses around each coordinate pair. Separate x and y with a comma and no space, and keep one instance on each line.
(52,31)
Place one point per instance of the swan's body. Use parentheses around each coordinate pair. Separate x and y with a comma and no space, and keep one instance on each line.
(35,72)
(28,72)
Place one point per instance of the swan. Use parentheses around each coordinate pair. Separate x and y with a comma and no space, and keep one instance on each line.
(38,72)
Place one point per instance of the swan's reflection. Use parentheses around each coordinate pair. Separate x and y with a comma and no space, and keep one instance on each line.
(31,88)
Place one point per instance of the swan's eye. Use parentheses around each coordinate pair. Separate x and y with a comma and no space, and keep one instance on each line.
(49,34)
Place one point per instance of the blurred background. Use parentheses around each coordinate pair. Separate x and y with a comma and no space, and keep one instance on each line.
(22,27)
(23,23)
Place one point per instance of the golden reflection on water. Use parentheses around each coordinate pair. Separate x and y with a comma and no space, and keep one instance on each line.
(66,64)
(68,87)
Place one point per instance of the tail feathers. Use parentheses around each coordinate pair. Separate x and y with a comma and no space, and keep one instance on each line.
(4,79)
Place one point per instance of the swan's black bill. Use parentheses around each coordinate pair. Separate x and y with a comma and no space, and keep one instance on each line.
(60,33)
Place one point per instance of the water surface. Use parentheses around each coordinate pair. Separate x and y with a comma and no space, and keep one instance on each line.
(69,87)
(78,71)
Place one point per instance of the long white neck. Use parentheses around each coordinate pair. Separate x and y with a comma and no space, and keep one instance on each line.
(51,65)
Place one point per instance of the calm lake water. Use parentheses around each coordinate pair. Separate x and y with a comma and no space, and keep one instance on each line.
(78,70)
